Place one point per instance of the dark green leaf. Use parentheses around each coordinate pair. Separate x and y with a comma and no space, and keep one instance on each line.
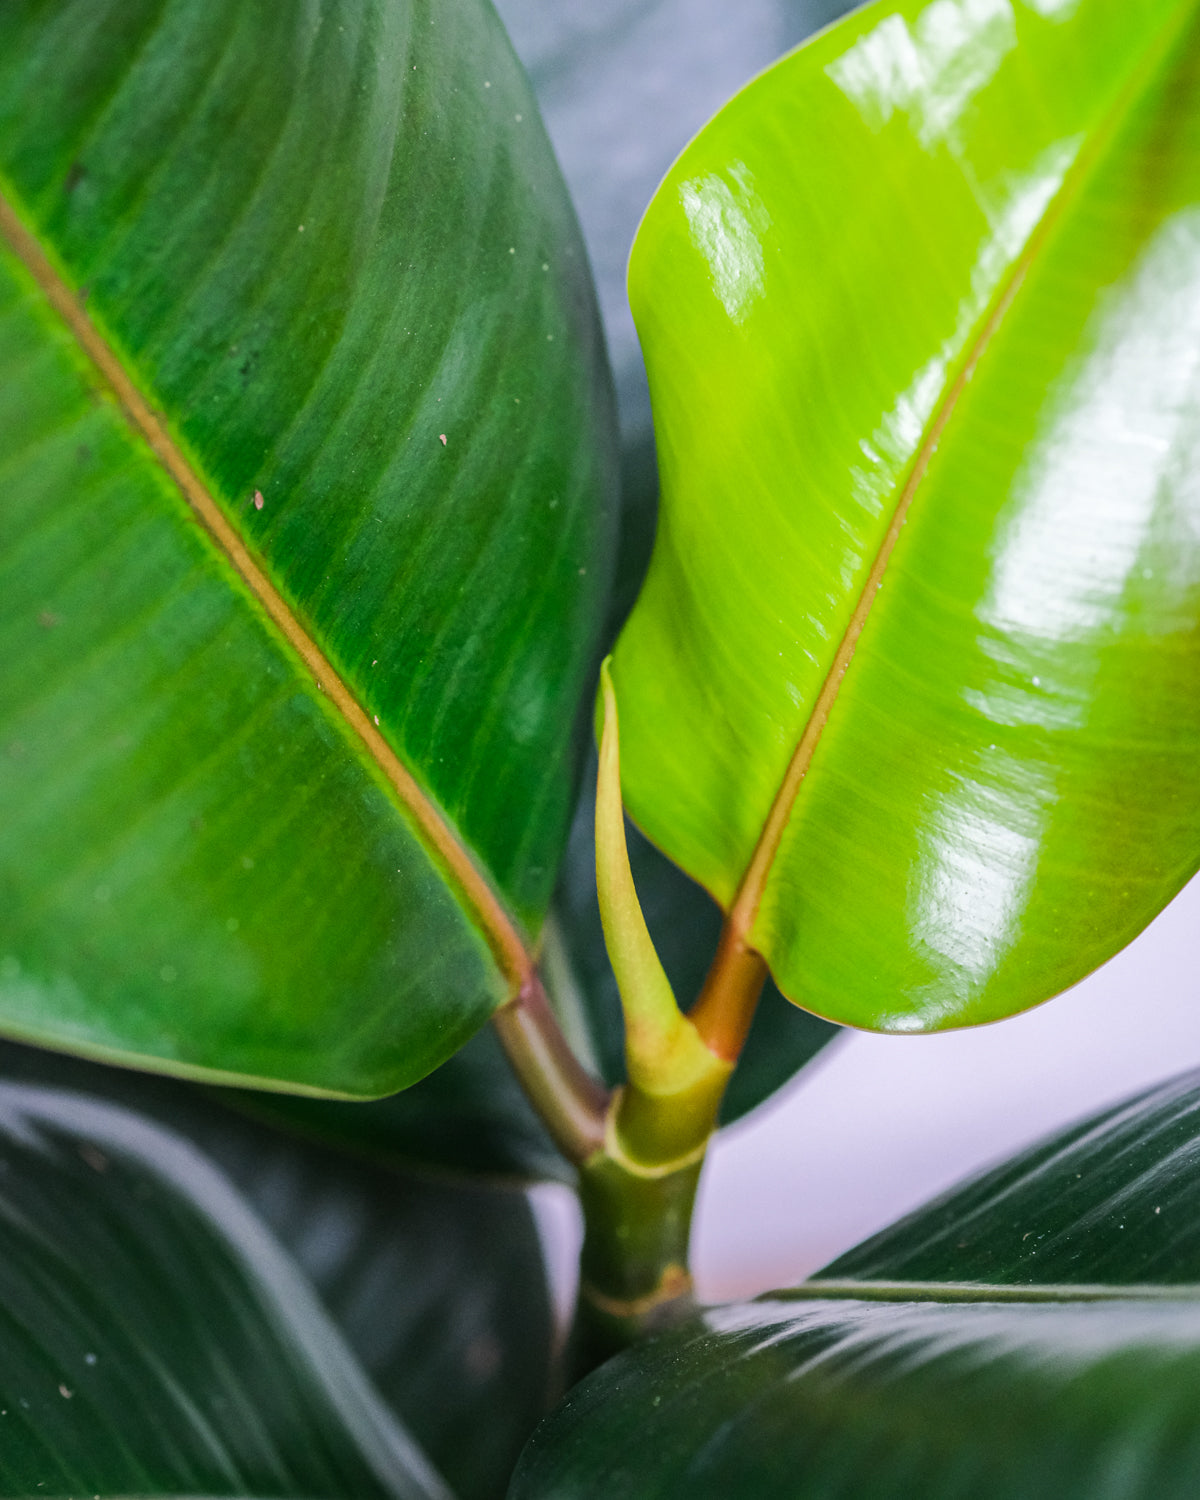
(1115,1199)
(329,252)
(438,1287)
(914,684)
(1034,1335)
(153,1338)
(858,1401)
(469,1116)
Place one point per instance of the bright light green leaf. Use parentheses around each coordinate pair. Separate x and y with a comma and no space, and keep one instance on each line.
(1032,1336)
(154,1340)
(920,315)
(283,794)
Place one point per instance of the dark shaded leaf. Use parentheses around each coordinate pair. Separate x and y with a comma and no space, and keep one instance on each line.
(863,1401)
(153,1338)
(1114,1200)
(438,1286)
(470,1116)
(1034,1335)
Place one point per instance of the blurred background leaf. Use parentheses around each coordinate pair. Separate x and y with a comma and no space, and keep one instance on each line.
(437,1284)
(154,1339)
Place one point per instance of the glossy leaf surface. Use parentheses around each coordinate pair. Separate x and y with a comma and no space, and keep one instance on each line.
(438,1286)
(1035,1334)
(281,794)
(919,311)
(154,1340)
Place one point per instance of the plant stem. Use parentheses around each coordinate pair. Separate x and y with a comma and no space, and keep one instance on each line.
(640,1149)
(634,1277)
(637,1196)
(725,1008)
(570,1101)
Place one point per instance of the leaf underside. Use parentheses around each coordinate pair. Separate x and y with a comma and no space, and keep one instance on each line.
(919,312)
(312,271)
(1034,1335)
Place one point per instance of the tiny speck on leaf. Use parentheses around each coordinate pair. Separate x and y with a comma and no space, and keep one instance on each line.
(48,619)
(442,438)
(65,1393)
(258,500)
(376,718)
(94,1157)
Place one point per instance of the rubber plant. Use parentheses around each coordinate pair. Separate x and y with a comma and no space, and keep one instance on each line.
(307,527)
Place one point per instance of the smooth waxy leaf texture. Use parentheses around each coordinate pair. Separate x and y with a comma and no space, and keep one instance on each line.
(282,793)
(914,683)
(1035,1334)
(437,1285)
(154,1340)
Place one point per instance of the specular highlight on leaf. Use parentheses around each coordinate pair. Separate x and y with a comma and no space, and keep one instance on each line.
(890,299)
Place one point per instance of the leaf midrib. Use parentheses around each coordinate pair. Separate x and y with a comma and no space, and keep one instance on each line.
(440,840)
(744,908)
(982,1291)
